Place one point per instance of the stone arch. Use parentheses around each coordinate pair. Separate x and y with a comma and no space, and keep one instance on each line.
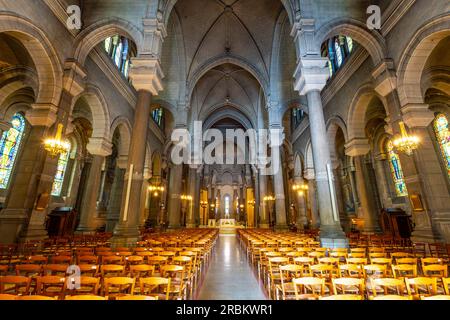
(90,37)
(227,110)
(373,42)
(226,59)
(298,165)
(333,125)
(100,112)
(47,63)
(357,111)
(156,164)
(124,126)
(414,58)
(15,79)
(309,159)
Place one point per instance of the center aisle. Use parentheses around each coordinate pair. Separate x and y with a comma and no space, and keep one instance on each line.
(229,276)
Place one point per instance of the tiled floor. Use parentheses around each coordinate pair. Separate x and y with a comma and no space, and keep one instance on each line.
(229,276)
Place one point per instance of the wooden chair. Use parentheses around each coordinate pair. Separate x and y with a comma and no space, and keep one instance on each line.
(305,263)
(274,277)
(374,271)
(15,285)
(435,270)
(55,269)
(418,286)
(8,297)
(89,269)
(155,287)
(392,297)
(386,286)
(446,284)
(343,286)
(342,297)
(51,286)
(350,271)
(287,274)
(86,297)
(114,259)
(86,286)
(136,298)
(437,297)
(117,286)
(357,261)
(157,262)
(28,270)
(88,259)
(61,260)
(308,288)
(142,271)
(37,260)
(112,270)
(36,297)
(176,274)
(404,271)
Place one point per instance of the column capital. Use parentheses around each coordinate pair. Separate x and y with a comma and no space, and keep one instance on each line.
(417,115)
(384,76)
(42,114)
(311,74)
(146,74)
(99,147)
(74,77)
(122,162)
(357,147)
(309,174)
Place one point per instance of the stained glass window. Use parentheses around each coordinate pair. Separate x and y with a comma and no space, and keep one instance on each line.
(158,117)
(337,50)
(443,138)
(9,146)
(120,50)
(227,205)
(60,173)
(396,171)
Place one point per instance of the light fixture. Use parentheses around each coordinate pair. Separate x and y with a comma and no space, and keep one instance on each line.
(405,143)
(300,187)
(269,198)
(186,197)
(156,189)
(57,145)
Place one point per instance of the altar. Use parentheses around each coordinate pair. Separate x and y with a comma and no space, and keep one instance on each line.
(228,226)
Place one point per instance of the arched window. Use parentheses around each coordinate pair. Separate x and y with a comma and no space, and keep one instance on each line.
(443,138)
(297,116)
(158,117)
(337,50)
(9,146)
(396,171)
(60,173)
(120,50)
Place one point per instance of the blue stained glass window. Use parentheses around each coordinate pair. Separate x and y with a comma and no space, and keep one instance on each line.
(9,146)
(339,57)
(60,173)
(120,50)
(158,117)
(396,171)
(443,138)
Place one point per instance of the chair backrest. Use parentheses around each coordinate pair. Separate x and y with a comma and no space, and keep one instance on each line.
(392,297)
(350,270)
(435,270)
(112,270)
(136,298)
(348,286)
(437,297)
(28,270)
(375,270)
(142,270)
(124,285)
(358,261)
(52,286)
(15,284)
(404,270)
(85,297)
(55,269)
(387,285)
(8,297)
(36,297)
(421,285)
(88,259)
(156,286)
(343,297)
(446,283)
(309,286)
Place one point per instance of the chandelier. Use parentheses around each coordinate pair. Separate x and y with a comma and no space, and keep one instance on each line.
(57,145)
(405,143)
(301,188)
(156,189)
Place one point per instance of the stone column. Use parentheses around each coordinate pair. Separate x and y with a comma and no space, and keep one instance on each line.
(190,218)
(113,211)
(174,205)
(330,227)
(88,208)
(127,230)
(368,208)
(263,209)
(381,173)
(145,198)
(301,219)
